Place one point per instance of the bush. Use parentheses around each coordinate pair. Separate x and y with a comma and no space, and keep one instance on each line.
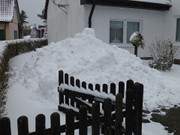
(163,53)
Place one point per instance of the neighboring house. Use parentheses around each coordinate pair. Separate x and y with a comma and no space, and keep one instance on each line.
(9,19)
(115,20)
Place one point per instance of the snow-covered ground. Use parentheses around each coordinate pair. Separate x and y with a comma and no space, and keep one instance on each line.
(33,76)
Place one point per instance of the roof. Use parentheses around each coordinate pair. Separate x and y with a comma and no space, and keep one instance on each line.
(6,10)
(142,4)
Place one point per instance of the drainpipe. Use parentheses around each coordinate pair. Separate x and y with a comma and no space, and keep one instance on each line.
(91,13)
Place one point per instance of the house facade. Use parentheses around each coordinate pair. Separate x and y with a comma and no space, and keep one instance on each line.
(115,20)
(9,19)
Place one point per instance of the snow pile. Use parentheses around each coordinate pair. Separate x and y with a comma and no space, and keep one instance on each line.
(34,75)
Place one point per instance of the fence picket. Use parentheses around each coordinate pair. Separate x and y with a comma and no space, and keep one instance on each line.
(95,118)
(98,87)
(61,81)
(121,88)
(72,84)
(69,123)
(84,85)
(119,115)
(83,121)
(40,124)
(107,107)
(78,85)
(55,124)
(23,126)
(129,107)
(90,86)
(113,88)
(138,108)
(5,126)
(105,88)
(67,83)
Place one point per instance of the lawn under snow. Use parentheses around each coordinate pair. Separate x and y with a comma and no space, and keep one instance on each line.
(33,76)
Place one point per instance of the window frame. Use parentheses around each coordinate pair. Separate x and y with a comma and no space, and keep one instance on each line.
(125,21)
(117,20)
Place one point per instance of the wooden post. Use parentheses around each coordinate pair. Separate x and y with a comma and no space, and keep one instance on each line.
(23,126)
(83,121)
(69,123)
(55,124)
(119,115)
(138,108)
(107,107)
(95,119)
(5,126)
(40,124)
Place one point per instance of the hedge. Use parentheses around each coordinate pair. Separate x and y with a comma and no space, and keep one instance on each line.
(12,49)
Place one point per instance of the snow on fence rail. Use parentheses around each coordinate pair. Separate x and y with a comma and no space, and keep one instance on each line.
(74,94)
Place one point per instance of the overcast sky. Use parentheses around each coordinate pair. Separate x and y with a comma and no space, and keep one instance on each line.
(32,8)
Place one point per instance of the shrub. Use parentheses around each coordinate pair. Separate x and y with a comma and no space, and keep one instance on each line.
(14,48)
(163,53)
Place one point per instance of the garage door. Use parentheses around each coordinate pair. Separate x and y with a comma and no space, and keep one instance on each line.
(2,35)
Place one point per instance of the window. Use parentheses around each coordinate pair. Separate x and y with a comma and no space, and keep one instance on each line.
(15,34)
(116,32)
(121,31)
(131,28)
(2,34)
(178,30)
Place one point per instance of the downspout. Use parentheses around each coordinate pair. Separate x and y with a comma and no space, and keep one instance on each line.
(91,13)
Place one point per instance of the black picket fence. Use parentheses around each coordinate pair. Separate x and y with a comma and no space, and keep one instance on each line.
(115,116)
(102,113)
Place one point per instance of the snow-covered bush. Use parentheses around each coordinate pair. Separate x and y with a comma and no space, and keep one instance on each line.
(137,40)
(11,49)
(163,54)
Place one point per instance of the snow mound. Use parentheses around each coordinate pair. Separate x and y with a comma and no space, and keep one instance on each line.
(89,59)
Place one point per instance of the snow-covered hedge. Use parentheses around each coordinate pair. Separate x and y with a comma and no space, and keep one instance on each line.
(9,49)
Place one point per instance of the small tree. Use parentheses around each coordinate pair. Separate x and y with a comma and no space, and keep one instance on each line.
(23,17)
(137,40)
(163,53)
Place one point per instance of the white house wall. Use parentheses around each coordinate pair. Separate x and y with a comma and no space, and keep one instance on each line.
(152,23)
(155,24)
(57,23)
